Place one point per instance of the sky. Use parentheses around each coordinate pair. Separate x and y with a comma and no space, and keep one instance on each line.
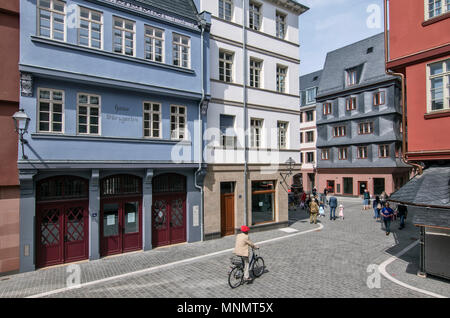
(332,24)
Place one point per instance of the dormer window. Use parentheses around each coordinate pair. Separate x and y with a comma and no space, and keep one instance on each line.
(370,50)
(352,77)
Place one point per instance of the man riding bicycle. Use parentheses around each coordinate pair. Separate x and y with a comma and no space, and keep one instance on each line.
(241,249)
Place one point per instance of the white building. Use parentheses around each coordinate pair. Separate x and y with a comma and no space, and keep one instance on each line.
(254,88)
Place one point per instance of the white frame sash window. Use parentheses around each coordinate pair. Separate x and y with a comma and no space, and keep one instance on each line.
(280,25)
(256,126)
(255,73)
(254,12)
(438,86)
(51,17)
(178,115)
(282,128)
(281,78)
(124,36)
(50,110)
(88,114)
(90,32)
(226,66)
(226,9)
(152,120)
(434,8)
(154,44)
(181,50)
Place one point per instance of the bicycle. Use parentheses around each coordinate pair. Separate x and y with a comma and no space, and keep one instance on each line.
(236,273)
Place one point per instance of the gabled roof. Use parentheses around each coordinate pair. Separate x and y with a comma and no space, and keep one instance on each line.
(432,189)
(366,55)
(183,8)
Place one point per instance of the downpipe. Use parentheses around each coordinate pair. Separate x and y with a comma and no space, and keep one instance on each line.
(418,167)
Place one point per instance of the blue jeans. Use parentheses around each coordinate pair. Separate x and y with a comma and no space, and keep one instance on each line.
(402,221)
(332,212)
(377,212)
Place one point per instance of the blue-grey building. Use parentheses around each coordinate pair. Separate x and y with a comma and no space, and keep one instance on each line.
(359,122)
(117,94)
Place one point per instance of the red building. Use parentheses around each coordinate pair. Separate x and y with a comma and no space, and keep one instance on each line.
(9,104)
(419,50)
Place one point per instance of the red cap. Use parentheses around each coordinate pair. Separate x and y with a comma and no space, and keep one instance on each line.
(245,228)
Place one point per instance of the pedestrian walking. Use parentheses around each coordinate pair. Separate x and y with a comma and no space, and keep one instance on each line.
(333,203)
(402,211)
(366,198)
(341,211)
(383,198)
(377,206)
(313,210)
(307,203)
(387,213)
(322,210)
(303,200)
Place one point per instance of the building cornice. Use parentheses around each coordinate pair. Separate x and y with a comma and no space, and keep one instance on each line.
(253,88)
(418,57)
(253,106)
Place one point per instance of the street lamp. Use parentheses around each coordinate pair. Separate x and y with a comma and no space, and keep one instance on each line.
(290,162)
(21,122)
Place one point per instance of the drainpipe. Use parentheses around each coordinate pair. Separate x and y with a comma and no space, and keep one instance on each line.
(244,47)
(200,123)
(402,78)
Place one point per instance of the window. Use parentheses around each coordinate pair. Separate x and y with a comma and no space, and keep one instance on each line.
(263,201)
(301,117)
(310,157)
(152,120)
(51,110)
(226,66)
(439,86)
(255,73)
(437,7)
(378,98)
(343,153)
(281,78)
(181,50)
(281,25)
(88,114)
(362,152)
(325,154)
(311,95)
(256,129)
(365,128)
(352,77)
(383,151)
(301,157)
(227,134)
(177,122)
(90,31)
(225,9)
(254,16)
(339,131)
(348,185)
(327,108)
(310,136)
(301,137)
(310,115)
(350,103)
(124,33)
(282,134)
(154,43)
(51,19)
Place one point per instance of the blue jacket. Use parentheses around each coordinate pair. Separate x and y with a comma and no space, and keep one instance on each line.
(333,202)
(387,213)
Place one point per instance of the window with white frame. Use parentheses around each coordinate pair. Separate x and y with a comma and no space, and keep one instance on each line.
(124,36)
(50,110)
(325,154)
(227,133)
(365,128)
(255,73)
(437,7)
(281,25)
(226,66)
(281,78)
(181,50)
(343,153)
(310,136)
(88,109)
(152,120)
(177,122)
(362,152)
(90,31)
(254,16)
(383,151)
(154,43)
(311,94)
(339,131)
(282,128)
(52,19)
(255,132)
(439,86)
(225,9)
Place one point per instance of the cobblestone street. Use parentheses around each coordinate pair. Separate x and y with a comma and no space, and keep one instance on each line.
(329,259)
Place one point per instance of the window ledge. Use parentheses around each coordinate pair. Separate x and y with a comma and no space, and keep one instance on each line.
(437,114)
(436,19)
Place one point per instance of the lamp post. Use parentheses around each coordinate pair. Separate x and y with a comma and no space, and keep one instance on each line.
(21,122)
(290,162)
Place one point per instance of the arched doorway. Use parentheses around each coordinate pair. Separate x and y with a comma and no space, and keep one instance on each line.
(120,214)
(169,210)
(62,220)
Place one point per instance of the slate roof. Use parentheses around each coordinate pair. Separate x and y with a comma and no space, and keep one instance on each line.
(354,55)
(430,217)
(310,80)
(432,188)
(183,8)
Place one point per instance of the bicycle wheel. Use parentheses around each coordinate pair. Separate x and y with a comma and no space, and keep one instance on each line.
(236,277)
(258,267)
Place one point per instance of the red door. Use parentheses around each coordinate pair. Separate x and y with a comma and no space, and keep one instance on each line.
(121,225)
(169,219)
(62,233)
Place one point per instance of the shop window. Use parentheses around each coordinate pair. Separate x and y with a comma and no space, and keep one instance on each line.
(263,201)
